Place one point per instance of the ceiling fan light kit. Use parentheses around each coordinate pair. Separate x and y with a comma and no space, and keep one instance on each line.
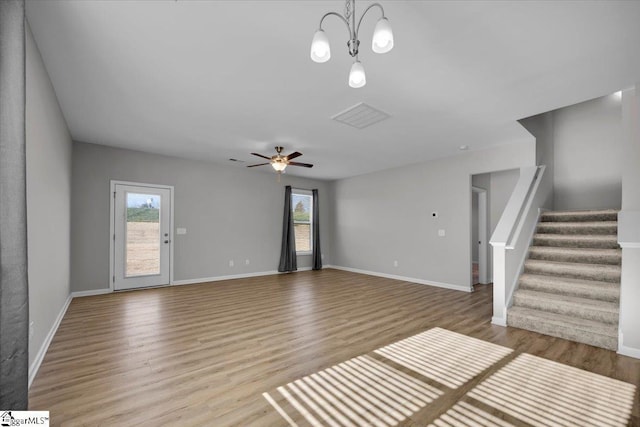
(279,162)
(382,41)
(279,165)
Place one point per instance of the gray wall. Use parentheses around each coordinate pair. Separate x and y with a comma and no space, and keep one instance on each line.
(542,128)
(386,216)
(587,140)
(230,213)
(502,185)
(48,200)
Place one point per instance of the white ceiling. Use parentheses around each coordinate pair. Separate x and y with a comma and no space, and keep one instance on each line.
(215,80)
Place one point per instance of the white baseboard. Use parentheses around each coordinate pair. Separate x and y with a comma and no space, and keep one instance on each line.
(231,277)
(90,293)
(191,281)
(404,278)
(627,351)
(33,369)
(500,321)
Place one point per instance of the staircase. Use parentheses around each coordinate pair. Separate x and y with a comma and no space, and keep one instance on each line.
(570,287)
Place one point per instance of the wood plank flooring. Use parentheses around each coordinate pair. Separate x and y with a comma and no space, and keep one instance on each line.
(202,355)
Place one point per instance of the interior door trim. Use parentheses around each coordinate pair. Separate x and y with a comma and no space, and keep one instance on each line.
(112,207)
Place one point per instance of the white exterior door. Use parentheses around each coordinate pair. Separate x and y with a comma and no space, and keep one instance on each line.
(142,236)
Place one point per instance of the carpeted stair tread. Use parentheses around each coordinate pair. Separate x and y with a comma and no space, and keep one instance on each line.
(577,255)
(599,227)
(585,308)
(576,241)
(575,329)
(604,291)
(572,216)
(570,286)
(599,272)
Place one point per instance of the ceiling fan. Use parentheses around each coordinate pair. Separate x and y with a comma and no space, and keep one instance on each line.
(280,162)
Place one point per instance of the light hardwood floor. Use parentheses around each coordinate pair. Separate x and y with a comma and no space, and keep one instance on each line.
(204,354)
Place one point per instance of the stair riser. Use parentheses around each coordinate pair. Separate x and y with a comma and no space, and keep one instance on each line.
(565,332)
(610,216)
(613,259)
(604,276)
(569,291)
(542,240)
(559,228)
(560,307)
(570,288)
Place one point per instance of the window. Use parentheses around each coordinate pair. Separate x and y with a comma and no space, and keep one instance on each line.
(302,205)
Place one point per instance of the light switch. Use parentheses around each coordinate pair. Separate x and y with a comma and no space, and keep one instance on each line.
(181,231)
(441,233)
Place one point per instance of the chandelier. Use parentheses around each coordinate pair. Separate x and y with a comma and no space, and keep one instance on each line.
(382,40)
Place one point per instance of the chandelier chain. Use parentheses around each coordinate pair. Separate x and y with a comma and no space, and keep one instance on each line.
(347,9)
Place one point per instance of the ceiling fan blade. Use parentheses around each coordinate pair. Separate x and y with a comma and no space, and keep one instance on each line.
(304,165)
(293,155)
(259,164)
(260,155)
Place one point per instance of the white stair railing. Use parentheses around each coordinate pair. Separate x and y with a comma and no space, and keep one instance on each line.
(512,237)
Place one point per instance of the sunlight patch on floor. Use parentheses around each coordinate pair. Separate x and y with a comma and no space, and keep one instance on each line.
(464,414)
(369,391)
(360,391)
(541,393)
(447,357)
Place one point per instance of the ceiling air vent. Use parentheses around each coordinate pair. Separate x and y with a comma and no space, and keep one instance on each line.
(360,116)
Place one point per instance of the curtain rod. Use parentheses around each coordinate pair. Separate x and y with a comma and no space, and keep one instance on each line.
(303,189)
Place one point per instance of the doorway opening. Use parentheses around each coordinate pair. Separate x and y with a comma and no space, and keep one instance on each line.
(479,247)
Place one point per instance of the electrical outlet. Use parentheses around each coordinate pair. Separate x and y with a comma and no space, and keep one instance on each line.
(395,263)
(231,263)
(441,233)
(181,230)
(246,262)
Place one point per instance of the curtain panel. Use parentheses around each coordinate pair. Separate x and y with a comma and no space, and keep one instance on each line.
(14,297)
(317,253)
(288,259)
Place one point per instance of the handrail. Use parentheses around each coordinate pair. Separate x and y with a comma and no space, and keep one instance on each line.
(511,239)
(510,224)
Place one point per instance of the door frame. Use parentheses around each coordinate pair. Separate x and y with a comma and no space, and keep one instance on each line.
(112,226)
(483,258)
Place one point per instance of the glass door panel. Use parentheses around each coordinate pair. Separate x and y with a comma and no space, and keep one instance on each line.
(143,234)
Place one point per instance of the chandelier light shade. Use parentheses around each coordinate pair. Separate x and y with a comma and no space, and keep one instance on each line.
(382,37)
(382,41)
(320,49)
(357,77)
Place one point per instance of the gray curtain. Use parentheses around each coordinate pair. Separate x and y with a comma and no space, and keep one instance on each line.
(317,253)
(288,260)
(14,297)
